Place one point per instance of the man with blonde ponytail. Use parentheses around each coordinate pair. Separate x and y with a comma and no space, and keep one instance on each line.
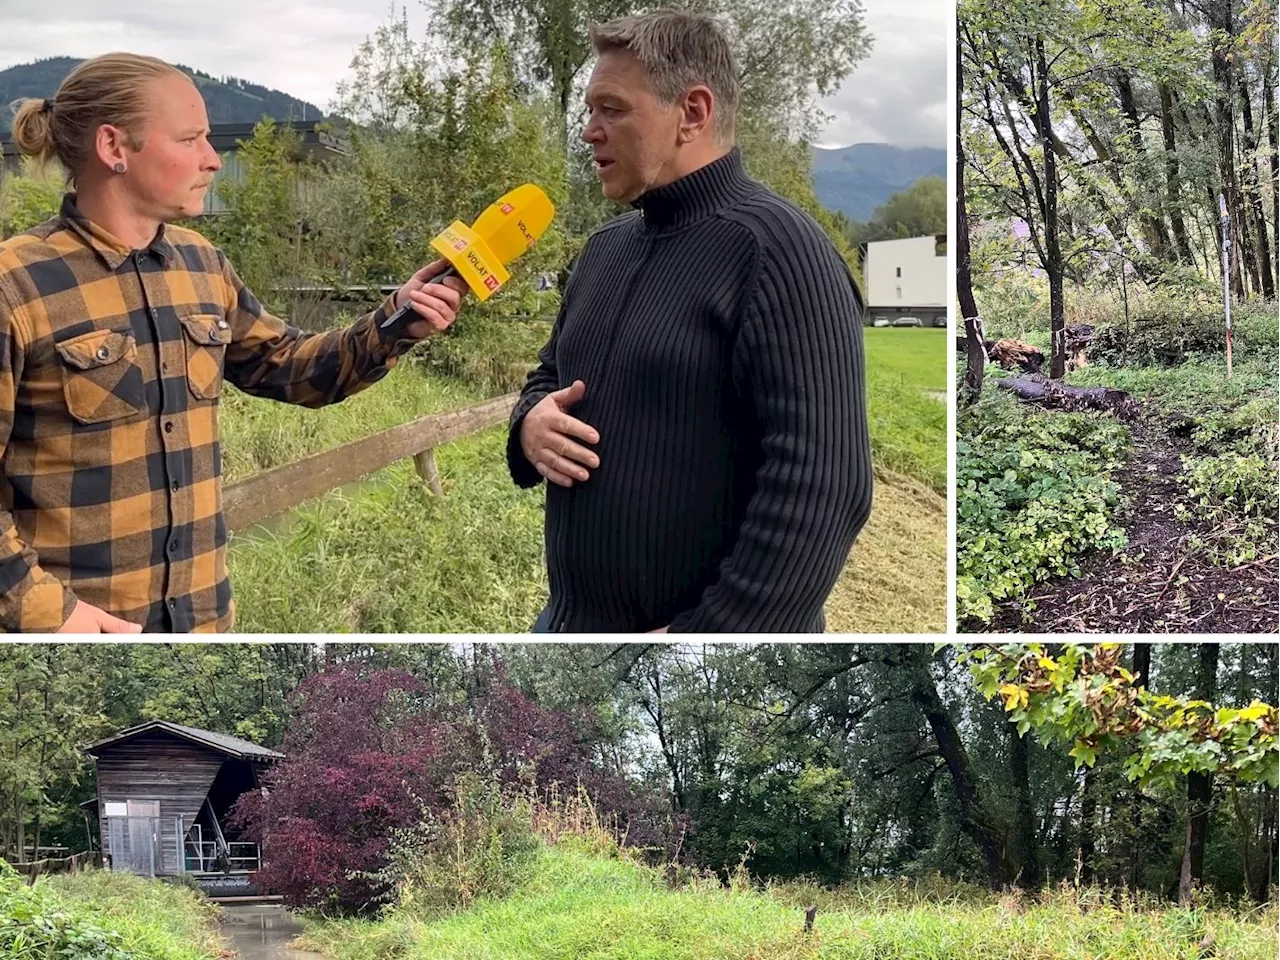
(116,332)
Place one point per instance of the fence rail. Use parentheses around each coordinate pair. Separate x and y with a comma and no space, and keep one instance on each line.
(283,488)
(71,864)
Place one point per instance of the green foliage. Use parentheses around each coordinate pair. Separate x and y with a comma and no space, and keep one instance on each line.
(918,211)
(482,848)
(29,198)
(1032,494)
(494,354)
(1083,696)
(1238,496)
(103,916)
(260,233)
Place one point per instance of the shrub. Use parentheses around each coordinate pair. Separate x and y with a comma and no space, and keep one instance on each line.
(1237,495)
(1032,494)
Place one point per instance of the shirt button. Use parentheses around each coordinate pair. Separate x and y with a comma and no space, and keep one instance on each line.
(172,603)
(222,324)
(168,426)
(174,486)
(213,336)
(173,545)
(103,353)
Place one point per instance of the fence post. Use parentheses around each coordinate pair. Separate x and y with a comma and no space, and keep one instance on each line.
(425,462)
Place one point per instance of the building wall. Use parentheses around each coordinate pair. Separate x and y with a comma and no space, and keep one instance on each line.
(157,766)
(905,274)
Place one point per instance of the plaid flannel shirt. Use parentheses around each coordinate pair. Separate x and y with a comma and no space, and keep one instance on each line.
(111,364)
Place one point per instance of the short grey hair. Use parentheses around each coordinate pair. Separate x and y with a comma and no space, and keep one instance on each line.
(679,50)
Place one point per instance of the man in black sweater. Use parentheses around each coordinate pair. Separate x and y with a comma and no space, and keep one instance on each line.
(716,466)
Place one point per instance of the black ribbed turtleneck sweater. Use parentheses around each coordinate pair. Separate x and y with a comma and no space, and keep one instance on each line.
(719,336)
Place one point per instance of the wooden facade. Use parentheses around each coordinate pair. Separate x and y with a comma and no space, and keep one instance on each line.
(164,793)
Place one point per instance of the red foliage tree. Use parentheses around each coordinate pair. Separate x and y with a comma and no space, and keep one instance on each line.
(369,751)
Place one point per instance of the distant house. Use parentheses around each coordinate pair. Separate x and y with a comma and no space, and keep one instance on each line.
(316,142)
(905,282)
(165,792)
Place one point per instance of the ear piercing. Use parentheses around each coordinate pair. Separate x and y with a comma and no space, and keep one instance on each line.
(118,168)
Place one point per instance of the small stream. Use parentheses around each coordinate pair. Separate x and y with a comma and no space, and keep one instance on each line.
(262,931)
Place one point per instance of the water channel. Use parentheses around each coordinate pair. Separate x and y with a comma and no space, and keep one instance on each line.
(262,931)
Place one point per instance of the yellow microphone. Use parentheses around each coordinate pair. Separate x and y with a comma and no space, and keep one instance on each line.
(479,254)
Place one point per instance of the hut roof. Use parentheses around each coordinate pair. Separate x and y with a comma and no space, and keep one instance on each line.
(222,742)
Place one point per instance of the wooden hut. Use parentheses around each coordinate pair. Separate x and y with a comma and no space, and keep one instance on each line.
(164,795)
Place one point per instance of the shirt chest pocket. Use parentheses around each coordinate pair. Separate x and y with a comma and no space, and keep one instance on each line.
(101,377)
(205,340)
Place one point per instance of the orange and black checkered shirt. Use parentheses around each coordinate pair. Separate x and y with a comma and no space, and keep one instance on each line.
(111,364)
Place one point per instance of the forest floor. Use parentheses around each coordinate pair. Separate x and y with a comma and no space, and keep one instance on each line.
(1163,520)
(1158,583)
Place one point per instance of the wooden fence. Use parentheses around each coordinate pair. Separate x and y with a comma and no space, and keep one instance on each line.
(71,864)
(283,488)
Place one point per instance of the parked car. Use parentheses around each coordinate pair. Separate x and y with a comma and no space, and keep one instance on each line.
(907,322)
(880,322)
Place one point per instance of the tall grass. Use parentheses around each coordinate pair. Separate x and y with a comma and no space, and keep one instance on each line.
(580,903)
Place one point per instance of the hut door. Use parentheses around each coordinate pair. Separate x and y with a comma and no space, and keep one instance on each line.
(135,838)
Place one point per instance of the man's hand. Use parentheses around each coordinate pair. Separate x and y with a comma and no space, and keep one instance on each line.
(436,304)
(659,630)
(86,618)
(547,437)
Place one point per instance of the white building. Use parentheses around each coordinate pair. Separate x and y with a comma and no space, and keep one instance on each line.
(906,282)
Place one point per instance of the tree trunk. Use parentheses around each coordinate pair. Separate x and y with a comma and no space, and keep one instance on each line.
(1173,176)
(1088,814)
(1028,863)
(1220,18)
(1053,251)
(1199,787)
(1273,138)
(1152,226)
(1141,670)
(1253,192)
(976,358)
(975,819)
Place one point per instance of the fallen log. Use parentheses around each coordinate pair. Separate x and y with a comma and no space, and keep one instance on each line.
(1059,396)
(1017,355)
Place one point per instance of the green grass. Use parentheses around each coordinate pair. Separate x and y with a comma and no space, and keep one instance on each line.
(582,906)
(908,424)
(96,914)
(918,357)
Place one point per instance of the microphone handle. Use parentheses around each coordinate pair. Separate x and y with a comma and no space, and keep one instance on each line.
(406,312)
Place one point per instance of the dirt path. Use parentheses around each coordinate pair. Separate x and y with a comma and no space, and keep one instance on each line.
(1157,584)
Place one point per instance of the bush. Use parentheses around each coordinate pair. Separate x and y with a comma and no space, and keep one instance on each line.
(1032,494)
(481,846)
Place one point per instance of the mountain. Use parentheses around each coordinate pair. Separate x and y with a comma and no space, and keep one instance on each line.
(228,100)
(857,179)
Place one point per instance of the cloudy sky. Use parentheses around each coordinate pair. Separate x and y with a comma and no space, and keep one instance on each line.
(897,95)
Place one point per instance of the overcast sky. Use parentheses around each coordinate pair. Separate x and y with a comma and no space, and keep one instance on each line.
(897,95)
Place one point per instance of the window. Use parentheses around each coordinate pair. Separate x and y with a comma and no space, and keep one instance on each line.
(899,289)
(899,273)
(115,809)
